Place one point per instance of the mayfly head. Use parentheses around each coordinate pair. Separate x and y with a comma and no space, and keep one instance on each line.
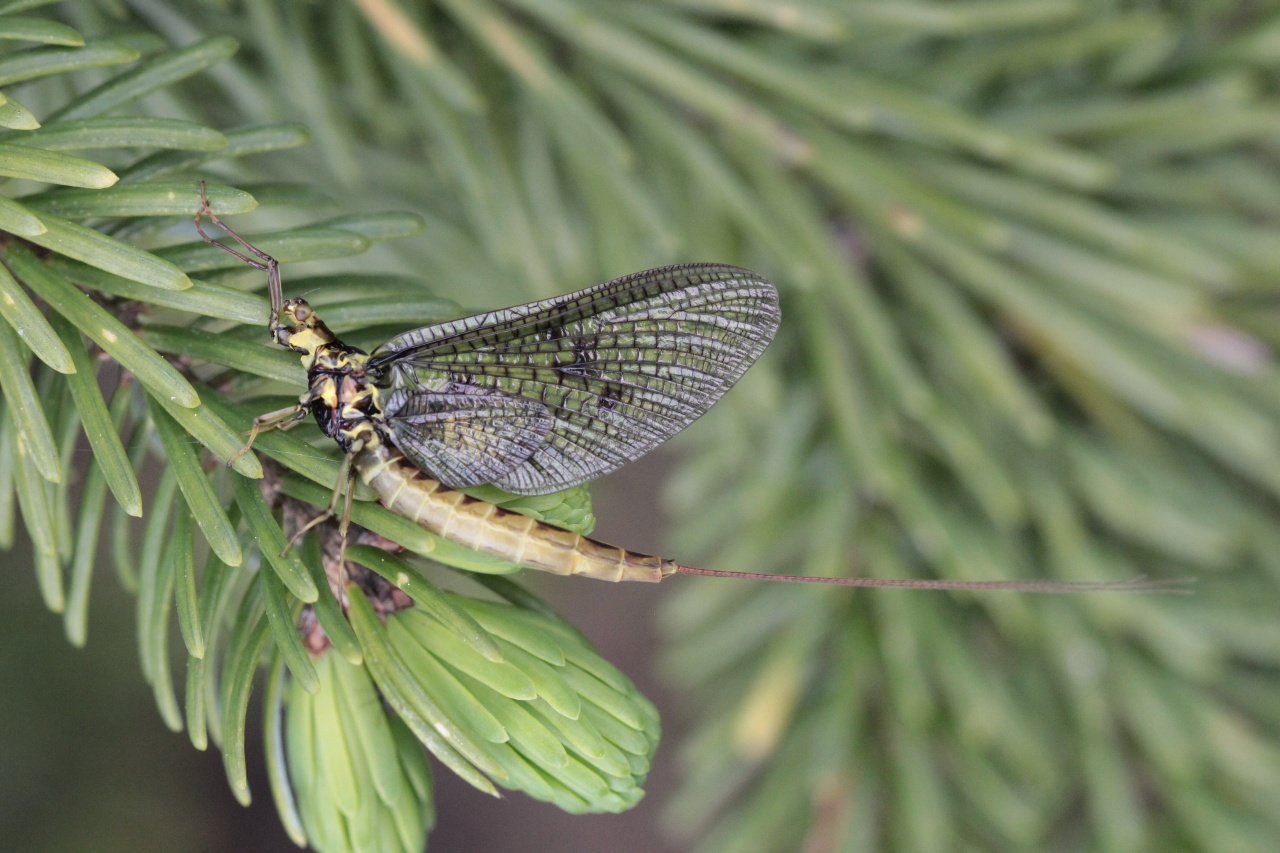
(299,328)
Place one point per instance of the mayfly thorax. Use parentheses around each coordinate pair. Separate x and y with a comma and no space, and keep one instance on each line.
(534,399)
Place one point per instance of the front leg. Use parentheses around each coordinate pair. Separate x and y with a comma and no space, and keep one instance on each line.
(267,263)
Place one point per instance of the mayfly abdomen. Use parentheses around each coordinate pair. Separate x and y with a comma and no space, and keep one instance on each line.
(407,491)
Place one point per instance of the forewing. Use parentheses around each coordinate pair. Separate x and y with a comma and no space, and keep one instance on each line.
(619,367)
(466,439)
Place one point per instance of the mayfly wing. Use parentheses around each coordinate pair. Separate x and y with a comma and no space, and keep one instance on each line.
(619,367)
(470,438)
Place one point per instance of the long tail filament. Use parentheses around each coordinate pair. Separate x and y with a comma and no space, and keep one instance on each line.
(1140,583)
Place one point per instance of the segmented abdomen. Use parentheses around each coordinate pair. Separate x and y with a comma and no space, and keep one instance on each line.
(485,527)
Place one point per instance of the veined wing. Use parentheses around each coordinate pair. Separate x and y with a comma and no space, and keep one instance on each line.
(466,439)
(619,367)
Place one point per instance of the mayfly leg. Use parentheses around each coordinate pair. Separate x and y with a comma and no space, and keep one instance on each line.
(344,524)
(346,477)
(281,419)
(266,263)
(284,418)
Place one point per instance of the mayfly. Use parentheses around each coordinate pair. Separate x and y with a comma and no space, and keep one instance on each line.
(538,398)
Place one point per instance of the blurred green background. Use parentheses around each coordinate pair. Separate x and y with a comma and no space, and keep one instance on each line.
(1028,263)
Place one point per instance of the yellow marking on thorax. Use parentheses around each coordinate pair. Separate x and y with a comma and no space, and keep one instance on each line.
(328,393)
(351,394)
(309,341)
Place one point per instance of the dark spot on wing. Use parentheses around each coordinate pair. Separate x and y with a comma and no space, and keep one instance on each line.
(609,398)
(585,357)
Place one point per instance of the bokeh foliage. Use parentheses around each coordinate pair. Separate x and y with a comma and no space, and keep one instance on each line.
(1026,257)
